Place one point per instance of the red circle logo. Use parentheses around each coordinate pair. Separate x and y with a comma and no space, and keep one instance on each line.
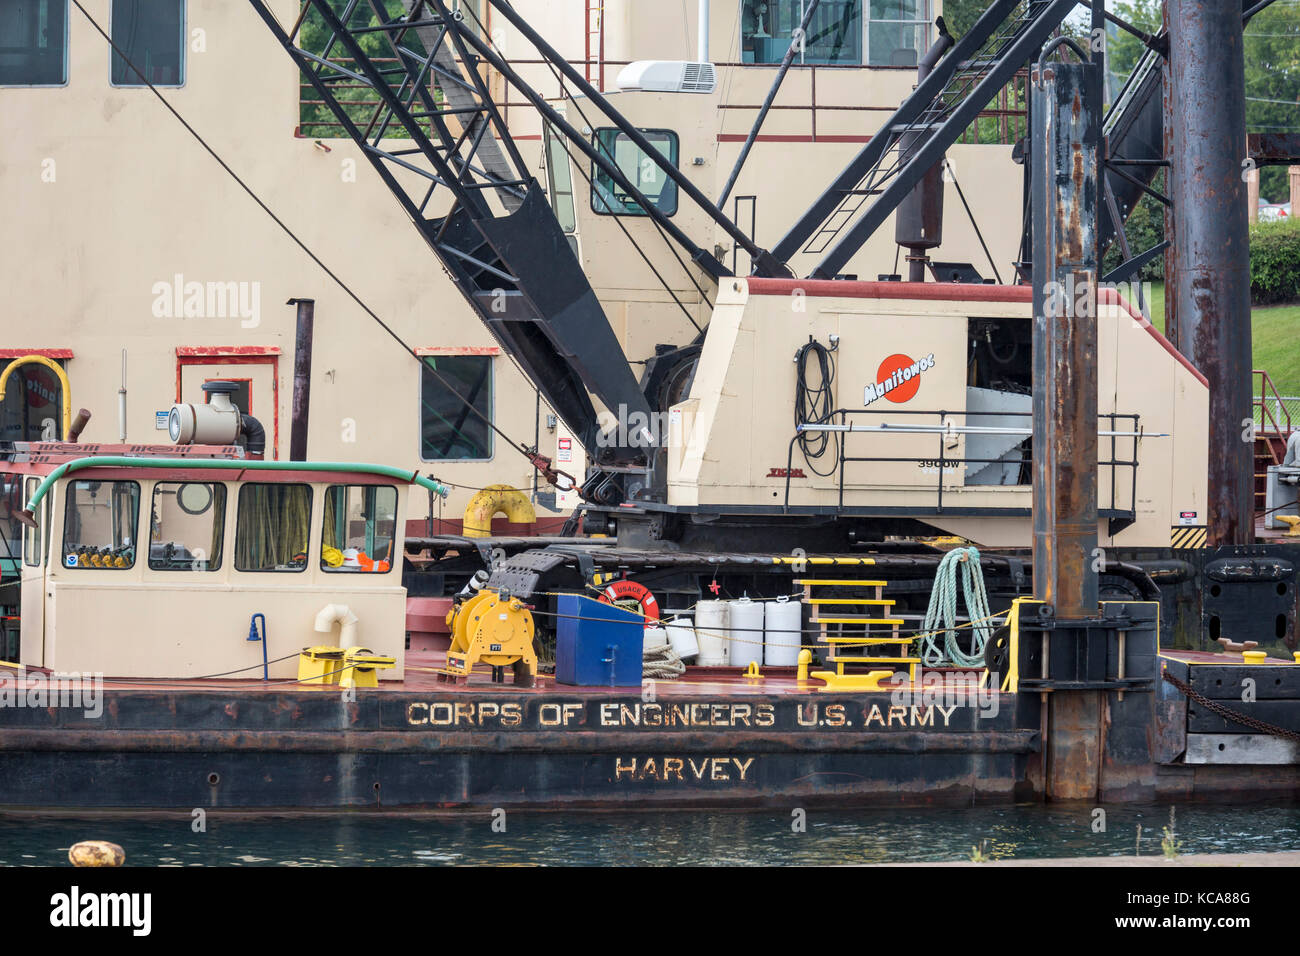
(906,388)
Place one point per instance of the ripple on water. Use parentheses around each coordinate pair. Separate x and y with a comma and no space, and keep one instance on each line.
(661,839)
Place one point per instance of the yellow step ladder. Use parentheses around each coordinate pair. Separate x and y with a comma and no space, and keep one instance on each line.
(873,637)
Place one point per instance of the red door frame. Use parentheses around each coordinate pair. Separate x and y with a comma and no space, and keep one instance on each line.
(237,355)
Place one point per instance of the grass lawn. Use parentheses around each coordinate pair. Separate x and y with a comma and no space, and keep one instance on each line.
(1275,337)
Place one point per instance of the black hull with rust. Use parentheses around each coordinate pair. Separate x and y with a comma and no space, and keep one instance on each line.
(499,748)
(479,748)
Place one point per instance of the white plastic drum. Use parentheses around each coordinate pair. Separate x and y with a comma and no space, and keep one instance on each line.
(746,633)
(712,630)
(681,635)
(655,637)
(783,626)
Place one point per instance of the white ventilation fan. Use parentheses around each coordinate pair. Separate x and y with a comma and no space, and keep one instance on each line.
(668,76)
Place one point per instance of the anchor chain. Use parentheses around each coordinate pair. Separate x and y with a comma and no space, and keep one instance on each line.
(1232,715)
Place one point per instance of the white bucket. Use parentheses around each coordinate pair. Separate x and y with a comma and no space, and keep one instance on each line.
(783,626)
(745,636)
(655,636)
(682,637)
(712,622)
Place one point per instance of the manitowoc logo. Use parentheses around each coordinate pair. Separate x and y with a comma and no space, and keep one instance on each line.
(898,378)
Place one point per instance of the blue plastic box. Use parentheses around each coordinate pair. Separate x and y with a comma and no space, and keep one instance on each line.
(597,645)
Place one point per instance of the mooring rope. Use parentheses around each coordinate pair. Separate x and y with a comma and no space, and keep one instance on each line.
(941,615)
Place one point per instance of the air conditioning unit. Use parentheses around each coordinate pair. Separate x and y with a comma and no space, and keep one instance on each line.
(668,76)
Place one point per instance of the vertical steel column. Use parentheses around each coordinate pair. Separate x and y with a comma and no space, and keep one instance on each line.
(1064,158)
(1171,175)
(1210,280)
(301,411)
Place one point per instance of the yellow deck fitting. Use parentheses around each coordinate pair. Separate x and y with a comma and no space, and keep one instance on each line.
(1254,657)
(1292,523)
(805,658)
(320,665)
(361,667)
(752,673)
(836,682)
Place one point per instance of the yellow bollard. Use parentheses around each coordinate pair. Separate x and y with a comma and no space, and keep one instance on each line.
(805,659)
(751,672)
(1253,657)
(96,853)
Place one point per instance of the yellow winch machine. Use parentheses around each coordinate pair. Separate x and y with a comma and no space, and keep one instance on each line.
(490,627)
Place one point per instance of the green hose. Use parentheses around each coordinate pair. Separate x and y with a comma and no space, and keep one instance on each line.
(128,461)
(942,612)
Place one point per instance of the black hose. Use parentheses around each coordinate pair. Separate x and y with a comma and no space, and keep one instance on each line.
(254,435)
(815,405)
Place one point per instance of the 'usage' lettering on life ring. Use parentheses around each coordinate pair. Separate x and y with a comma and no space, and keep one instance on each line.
(619,591)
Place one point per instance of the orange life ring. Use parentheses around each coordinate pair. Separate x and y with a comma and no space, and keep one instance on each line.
(626,590)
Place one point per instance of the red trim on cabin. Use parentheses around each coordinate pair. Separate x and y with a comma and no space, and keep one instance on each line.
(953,292)
(458,350)
(928,291)
(1112,297)
(47,353)
(792,138)
(186,351)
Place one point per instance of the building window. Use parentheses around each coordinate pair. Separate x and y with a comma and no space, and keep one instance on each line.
(359,527)
(33,42)
(608,198)
(450,429)
(834,32)
(99,524)
(898,32)
(151,34)
(272,527)
(187,526)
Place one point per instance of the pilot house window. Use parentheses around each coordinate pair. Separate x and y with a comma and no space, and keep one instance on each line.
(99,524)
(272,527)
(359,524)
(187,524)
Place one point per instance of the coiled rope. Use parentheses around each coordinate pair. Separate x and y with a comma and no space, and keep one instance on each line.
(661,663)
(942,612)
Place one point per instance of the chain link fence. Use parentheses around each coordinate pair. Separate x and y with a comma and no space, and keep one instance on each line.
(1281,410)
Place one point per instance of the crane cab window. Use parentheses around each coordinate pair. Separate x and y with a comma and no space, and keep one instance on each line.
(272,527)
(359,527)
(187,522)
(608,198)
(99,524)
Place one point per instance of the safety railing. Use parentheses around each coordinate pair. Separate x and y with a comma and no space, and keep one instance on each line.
(1118,437)
(1279,415)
